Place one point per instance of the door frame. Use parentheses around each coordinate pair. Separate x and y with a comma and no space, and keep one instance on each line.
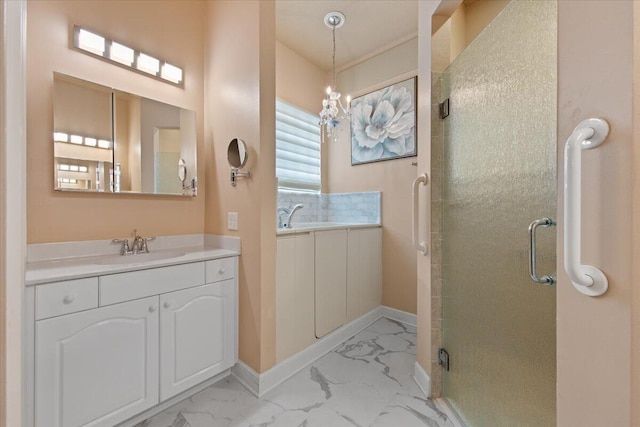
(12,206)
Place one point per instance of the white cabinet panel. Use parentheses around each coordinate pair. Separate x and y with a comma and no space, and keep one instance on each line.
(295,307)
(98,367)
(220,269)
(331,280)
(197,335)
(55,299)
(364,271)
(121,287)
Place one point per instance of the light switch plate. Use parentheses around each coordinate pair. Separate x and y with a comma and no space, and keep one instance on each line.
(232,220)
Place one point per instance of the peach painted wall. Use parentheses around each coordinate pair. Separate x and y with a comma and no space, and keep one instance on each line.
(301,83)
(393,178)
(635,311)
(240,81)
(594,334)
(170,30)
(298,81)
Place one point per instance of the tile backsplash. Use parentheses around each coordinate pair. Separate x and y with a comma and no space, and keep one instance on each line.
(362,208)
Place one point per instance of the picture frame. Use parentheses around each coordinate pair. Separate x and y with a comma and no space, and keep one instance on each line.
(383,123)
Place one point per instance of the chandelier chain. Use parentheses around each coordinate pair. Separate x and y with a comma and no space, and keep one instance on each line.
(334,57)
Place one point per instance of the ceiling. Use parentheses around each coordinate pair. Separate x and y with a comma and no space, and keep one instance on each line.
(369,25)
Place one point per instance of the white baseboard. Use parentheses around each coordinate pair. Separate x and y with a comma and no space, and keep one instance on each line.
(451,413)
(421,378)
(399,315)
(260,384)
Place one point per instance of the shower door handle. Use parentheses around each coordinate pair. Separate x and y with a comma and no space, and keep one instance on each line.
(421,246)
(544,222)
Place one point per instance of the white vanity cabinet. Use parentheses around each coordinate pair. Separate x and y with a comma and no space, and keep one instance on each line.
(107,348)
(364,271)
(324,279)
(331,280)
(197,335)
(97,367)
(295,276)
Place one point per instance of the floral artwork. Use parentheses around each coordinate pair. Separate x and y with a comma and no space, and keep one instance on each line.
(383,124)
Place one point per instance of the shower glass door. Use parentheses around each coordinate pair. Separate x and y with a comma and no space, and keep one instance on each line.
(499,176)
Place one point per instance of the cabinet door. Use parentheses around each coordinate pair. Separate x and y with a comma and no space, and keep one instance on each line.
(331,280)
(97,367)
(295,276)
(364,271)
(197,335)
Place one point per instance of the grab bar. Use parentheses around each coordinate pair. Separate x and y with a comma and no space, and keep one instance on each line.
(588,134)
(421,246)
(544,222)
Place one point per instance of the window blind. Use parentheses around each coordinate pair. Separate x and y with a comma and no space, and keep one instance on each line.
(297,148)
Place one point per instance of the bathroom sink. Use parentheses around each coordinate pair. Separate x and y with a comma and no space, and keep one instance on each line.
(136,259)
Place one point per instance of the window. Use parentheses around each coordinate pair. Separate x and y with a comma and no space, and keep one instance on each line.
(297,148)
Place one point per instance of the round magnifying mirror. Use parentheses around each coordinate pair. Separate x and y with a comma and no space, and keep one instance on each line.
(182,170)
(237,153)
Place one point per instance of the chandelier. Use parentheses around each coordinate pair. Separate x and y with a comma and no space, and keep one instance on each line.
(331,116)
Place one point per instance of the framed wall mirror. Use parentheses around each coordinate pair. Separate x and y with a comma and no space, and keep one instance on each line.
(110,141)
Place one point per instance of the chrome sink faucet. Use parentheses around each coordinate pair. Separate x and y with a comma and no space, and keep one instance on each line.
(286,223)
(139,245)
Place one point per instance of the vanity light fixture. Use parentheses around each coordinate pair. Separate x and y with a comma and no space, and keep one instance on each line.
(331,117)
(120,54)
(72,168)
(81,140)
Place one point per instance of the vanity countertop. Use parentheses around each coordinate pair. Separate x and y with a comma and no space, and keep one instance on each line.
(39,272)
(322,226)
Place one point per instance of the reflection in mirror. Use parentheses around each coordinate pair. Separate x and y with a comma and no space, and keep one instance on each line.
(83,149)
(139,156)
(237,153)
(182,171)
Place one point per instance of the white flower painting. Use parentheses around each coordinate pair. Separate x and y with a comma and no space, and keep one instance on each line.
(383,124)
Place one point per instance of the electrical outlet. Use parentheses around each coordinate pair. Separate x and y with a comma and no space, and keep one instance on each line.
(232,220)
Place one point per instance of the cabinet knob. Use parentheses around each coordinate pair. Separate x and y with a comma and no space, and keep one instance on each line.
(152,308)
(221,271)
(69,299)
(167,304)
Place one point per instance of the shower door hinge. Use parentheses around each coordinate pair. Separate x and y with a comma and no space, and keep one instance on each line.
(444,109)
(443,358)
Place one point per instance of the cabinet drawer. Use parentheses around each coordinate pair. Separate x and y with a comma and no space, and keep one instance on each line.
(121,287)
(55,299)
(221,269)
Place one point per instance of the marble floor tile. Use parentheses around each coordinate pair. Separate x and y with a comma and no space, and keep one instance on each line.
(365,382)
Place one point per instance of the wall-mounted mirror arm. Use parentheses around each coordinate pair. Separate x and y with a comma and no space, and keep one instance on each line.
(235,174)
(237,156)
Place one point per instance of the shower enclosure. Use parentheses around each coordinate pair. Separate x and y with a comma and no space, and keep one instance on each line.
(499,175)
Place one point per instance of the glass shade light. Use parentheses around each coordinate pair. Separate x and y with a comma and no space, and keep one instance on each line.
(148,64)
(60,137)
(121,53)
(91,142)
(103,143)
(76,139)
(91,42)
(171,73)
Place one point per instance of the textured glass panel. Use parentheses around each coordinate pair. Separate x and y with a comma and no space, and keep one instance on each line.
(499,175)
